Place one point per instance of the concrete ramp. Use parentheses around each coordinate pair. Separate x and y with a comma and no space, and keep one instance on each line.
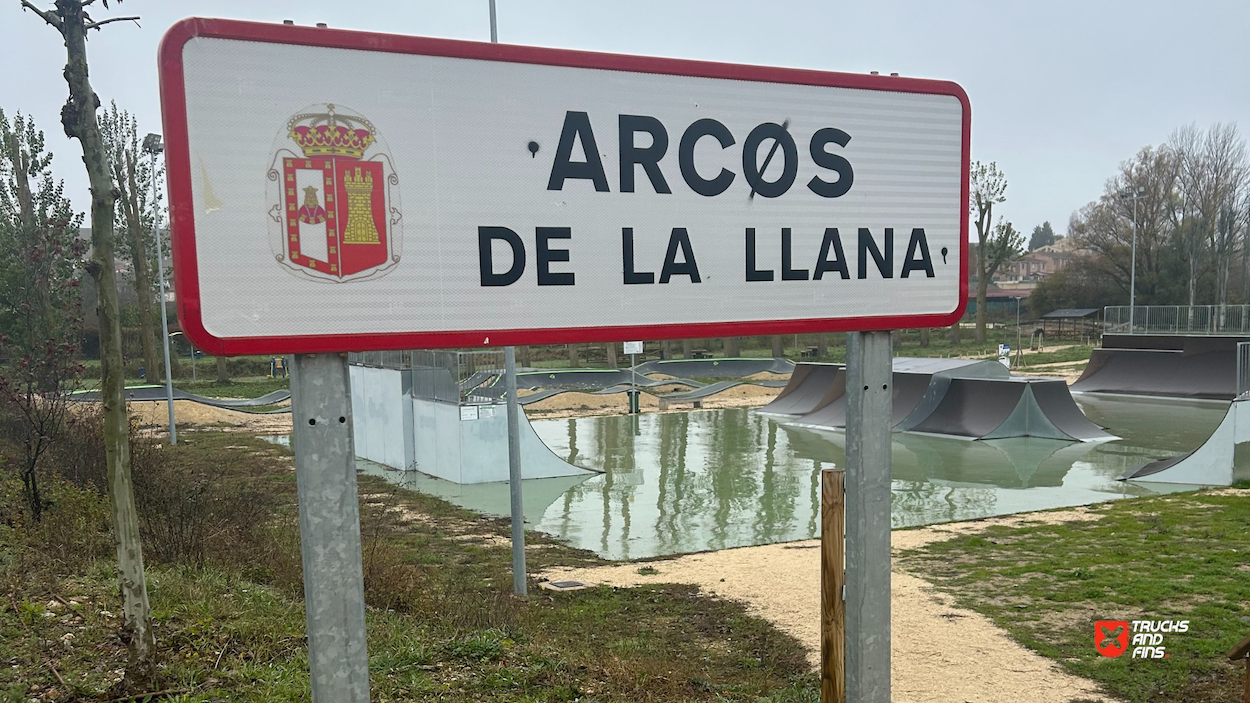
(811,386)
(1220,461)
(1000,408)
(1171,366)
(914,384)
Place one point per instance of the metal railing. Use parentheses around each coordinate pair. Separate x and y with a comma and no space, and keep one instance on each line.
(1211,320)
(447,376)
(381,359)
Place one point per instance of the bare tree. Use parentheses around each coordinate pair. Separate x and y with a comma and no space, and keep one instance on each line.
(132,177)
(1105,227)
(1213,176)
(40,298)
(78,117)
(779,345)
(610,348)
(997,243)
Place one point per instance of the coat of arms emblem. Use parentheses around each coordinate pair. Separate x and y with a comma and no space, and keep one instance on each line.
(334,197)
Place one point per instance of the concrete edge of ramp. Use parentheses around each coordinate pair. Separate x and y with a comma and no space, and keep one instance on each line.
(1214,463)
(811,386)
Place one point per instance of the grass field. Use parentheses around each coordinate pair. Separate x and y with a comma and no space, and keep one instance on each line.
(442,622)
(1178,557)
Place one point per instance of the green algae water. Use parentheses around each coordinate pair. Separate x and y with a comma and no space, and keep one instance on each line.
(715,479)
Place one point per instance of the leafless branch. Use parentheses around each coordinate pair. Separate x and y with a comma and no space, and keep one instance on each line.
(47,16)
(101,23)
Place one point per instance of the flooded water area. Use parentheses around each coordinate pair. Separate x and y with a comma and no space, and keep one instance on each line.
(714,479)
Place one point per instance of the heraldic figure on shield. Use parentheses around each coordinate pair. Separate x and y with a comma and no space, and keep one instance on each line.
(334,197)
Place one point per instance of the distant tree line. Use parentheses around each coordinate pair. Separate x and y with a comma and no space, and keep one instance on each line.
(1189,201)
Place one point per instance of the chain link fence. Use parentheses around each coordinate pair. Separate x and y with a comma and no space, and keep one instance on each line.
(1212,320)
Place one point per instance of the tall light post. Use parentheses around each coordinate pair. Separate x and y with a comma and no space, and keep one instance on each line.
(152,146)
(1132,276)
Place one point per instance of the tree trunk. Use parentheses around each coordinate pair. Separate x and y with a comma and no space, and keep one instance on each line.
(523,356)
(223,374)
(687,348)
(573,362)
(128,185)
(79,119)
(982,284)
(611,349)
(822,346)
(924,337)
(731,347)
(779,347)
(955,334)
(666,350)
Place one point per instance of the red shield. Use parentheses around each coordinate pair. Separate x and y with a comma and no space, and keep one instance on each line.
(1111,637)
(335,213)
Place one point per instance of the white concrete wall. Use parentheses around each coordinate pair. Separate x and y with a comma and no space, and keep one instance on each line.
(394,429)
(381,417)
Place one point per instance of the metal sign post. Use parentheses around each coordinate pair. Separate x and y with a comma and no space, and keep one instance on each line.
(519,586)
(869,376)
(329,524)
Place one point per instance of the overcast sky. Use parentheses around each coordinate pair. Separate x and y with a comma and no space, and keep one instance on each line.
(1061,91)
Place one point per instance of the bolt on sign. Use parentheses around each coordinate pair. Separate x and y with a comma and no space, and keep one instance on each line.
(336,190)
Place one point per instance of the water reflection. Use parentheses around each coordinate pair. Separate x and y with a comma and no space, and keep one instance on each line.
(684,482)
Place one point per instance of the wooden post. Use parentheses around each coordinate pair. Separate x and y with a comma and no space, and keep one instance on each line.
(832,582)
(1242,652)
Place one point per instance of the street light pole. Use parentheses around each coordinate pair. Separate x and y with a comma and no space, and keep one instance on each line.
(152,146)
(1132,276)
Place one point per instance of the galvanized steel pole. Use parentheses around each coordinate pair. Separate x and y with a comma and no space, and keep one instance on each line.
(160,272)
(514,474)
(869,398)
(517,507)
(329,526)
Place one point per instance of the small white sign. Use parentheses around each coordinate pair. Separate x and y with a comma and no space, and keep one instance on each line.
(633,347)
(468,412)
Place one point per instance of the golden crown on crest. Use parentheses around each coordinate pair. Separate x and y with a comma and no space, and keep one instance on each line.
(331,133)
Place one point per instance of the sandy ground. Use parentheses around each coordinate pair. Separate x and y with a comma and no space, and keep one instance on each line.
(189,414)
(942,654)
(588,404)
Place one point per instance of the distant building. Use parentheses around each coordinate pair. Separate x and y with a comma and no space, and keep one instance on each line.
(1043,261)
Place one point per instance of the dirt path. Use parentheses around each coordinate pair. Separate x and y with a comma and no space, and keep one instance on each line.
(942,654)
(188,414)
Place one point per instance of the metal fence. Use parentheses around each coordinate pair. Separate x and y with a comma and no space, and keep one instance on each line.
(447,376)
(381,359)
(1214,320)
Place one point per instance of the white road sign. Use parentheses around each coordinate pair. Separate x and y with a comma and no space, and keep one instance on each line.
(336,190)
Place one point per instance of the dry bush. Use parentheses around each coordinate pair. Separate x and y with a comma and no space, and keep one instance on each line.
(191,512)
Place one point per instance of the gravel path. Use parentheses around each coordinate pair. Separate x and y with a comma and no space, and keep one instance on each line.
(942,654)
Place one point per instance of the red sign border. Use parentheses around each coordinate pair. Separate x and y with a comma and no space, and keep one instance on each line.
(181,208)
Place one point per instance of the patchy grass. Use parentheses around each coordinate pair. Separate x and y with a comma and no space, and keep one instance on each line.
(442,621)
(248,387)
(1178,557)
